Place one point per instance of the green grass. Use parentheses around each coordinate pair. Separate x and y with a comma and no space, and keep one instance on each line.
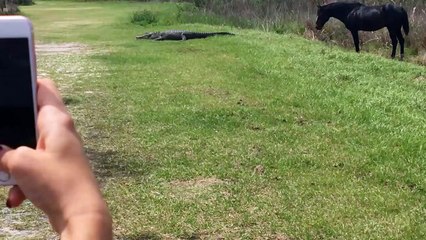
(255,136)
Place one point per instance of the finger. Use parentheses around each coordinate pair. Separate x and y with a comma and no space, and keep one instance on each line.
(48,94)
(16,197)
(51,109)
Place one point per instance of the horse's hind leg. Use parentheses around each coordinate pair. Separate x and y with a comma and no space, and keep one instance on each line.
(401,43)
(356,40)
(394,43)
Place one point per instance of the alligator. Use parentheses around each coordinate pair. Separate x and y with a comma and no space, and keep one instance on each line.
(179,35)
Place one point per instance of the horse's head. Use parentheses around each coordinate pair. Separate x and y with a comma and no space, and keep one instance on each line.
(322,17)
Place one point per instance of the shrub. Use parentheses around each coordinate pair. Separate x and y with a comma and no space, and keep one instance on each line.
(24,2)
(144,17)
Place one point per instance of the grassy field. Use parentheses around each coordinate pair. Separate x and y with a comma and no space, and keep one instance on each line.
(255,136)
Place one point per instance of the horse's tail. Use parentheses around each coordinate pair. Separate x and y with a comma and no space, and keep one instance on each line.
(405,23)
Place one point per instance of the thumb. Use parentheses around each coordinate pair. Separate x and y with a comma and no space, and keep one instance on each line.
(7,155)
(3,162)
(16,161)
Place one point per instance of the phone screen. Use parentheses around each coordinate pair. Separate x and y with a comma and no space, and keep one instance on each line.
(17,121)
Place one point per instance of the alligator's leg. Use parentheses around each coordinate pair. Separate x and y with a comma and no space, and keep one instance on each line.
(183,36)
(159,37)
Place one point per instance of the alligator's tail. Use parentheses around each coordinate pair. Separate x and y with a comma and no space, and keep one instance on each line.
(405,23)
(222,33)
(206,34)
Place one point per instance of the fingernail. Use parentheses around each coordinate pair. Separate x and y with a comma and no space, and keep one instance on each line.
(8,204)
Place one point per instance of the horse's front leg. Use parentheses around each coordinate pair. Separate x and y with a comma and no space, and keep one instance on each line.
(356,39)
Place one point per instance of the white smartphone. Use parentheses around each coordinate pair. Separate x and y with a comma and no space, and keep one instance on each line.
(18,106)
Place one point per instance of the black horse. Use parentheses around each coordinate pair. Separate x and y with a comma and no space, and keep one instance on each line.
(356,16)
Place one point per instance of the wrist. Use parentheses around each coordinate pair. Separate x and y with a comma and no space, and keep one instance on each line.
(84,217)
(90,226)
(80,212)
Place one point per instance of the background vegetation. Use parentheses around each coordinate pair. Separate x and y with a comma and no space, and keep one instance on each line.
(299,17)
(11,6)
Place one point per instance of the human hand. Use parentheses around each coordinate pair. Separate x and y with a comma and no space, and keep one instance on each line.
(56,176)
